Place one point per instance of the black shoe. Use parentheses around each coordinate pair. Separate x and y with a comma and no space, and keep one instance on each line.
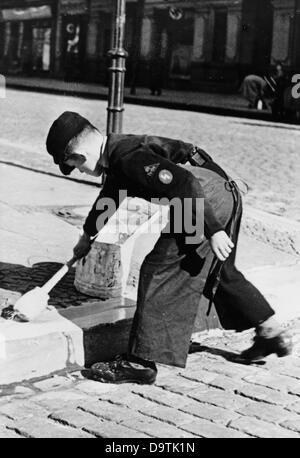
(120,370)
(281,345)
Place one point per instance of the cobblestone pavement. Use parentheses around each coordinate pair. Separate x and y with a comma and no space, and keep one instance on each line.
(213,397)
(262,153)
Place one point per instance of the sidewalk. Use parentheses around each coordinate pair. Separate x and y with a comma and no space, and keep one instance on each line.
(221,104)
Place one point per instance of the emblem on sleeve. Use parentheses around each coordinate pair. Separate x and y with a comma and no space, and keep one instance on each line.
(151,169)
(165,176)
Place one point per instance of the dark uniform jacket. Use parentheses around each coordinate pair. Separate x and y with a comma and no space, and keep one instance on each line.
(146,167)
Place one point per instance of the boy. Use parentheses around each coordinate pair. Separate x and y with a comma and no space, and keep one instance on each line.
(176,273)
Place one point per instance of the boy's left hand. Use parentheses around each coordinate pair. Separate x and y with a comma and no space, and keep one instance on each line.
(221,245)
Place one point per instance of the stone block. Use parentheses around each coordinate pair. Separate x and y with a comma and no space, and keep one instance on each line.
(208,429)
(156,428)
(119,250)
(30,350)
(262,429)
(70,338)
(94,425)
(293,425)
(265,412)
(44,428)
(264,394)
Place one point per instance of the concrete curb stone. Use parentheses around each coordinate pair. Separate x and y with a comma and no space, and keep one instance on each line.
(279,232)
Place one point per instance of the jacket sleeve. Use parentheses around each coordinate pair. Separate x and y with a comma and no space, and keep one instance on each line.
(160,178)
(104,207)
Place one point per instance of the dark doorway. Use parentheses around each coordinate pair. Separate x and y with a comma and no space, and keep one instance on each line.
(74,40)
(220,33)
(257,33)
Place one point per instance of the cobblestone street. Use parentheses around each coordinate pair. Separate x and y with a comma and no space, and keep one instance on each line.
(264,154)
(213,397)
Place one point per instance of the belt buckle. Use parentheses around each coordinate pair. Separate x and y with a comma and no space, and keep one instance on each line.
(197,157)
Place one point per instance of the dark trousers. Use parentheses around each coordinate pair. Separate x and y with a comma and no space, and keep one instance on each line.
(170,287)
(172,281)
(240,305)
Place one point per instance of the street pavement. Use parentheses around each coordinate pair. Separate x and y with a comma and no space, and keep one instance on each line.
(264,154)
(215,396)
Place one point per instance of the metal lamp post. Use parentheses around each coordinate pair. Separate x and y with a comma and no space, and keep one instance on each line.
(117,72)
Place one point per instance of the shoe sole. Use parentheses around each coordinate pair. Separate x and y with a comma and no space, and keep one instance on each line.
(138,382)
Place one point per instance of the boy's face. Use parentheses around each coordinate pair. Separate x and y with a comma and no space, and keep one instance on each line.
(85,154)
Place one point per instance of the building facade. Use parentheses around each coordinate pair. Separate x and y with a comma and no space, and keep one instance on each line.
(27,36)
(215,43)
(202,44)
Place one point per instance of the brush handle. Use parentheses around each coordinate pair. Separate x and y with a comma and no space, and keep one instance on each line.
(61,272)
(58,276)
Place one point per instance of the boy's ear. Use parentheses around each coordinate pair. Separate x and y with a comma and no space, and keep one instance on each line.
(80,158)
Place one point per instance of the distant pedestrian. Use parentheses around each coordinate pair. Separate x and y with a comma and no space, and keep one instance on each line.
(268,89)
(156,75)
(253,89)
(278,83)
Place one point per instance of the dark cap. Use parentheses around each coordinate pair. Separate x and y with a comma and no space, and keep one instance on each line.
(65,127)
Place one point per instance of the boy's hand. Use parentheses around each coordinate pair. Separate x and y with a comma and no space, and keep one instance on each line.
(83,246)
(221,245)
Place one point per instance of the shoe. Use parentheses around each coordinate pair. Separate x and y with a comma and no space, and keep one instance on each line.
(281,345)
(120,370)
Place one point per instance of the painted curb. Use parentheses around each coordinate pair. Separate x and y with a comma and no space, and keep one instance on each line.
(279,232)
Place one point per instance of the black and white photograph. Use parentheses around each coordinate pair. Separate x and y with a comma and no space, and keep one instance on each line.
(150,222)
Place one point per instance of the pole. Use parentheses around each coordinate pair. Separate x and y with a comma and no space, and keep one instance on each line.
(117,72)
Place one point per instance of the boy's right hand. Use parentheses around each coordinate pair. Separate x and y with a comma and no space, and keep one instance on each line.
(221,245)
(83,246)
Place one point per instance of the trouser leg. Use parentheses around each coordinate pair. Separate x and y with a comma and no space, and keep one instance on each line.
(239,303)
(170,288)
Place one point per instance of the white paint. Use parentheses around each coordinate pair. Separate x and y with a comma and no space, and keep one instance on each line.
(38,348)
(32,304)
